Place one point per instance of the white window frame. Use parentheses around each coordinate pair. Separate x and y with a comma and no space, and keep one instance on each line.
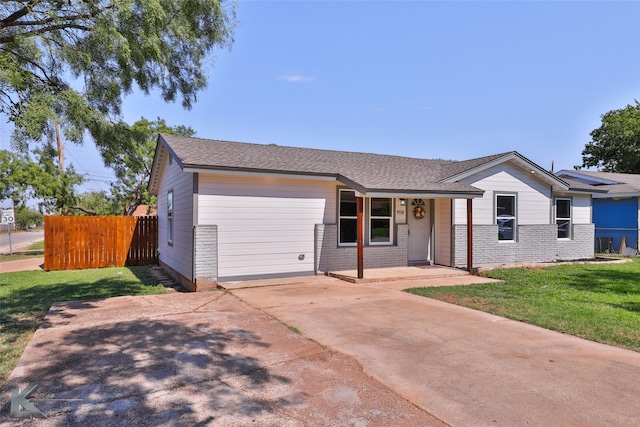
(170,209)
(340,217)
(558,218)
(513,217)
(371,218)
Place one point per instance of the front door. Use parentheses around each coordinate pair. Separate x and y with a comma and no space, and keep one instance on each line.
(419,221)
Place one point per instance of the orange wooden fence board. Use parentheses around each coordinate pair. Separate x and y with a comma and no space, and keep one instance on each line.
(92,242)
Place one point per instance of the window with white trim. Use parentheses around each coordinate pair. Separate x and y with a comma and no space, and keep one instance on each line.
(170,216)
(563,218)
(380,221)
(506,216)
(348,218)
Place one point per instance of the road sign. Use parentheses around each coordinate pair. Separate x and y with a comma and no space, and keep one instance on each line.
(8,217)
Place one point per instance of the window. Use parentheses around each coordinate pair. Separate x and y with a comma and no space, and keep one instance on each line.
(506,216)
(170,217)
(348,221)
(563,218)
(380,220)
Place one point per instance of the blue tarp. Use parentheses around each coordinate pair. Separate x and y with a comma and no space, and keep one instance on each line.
(614,219)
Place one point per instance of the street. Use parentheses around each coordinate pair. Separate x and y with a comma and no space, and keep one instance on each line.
(19,239)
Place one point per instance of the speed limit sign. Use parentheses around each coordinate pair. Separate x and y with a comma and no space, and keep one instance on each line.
(8,216)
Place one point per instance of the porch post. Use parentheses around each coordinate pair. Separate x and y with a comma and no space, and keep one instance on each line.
(359,236)
(470,235)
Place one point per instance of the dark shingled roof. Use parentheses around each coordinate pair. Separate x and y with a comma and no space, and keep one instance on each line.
(581,186)
(621,182)
(365,172)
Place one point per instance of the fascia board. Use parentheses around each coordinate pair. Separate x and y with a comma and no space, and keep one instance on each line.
(158,156)
(616,195)
(423,194)
(161,144)
(249,172)
(352,184)
(594,179)
(368,192)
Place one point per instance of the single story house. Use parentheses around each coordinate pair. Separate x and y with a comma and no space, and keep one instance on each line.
(616,210)
(233,211)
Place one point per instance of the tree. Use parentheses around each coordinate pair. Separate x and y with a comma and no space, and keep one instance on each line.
(97,203)
(615,145)
(39,177)
(27,218)
(71,62)
(132,167)
(16,174)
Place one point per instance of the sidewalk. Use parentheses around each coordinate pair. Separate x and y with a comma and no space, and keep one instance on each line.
(22,265)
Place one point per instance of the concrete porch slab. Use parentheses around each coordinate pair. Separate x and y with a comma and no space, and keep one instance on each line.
(398,278)
(275,282)
(372,275)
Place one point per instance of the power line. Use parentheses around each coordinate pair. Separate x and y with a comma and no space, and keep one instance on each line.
(86,172)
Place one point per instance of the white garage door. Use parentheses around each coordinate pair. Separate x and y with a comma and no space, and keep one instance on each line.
(265,236)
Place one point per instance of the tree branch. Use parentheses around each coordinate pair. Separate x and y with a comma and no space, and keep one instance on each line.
(46,79)
(42,31)
(83,209)
(68,21)
(18,14)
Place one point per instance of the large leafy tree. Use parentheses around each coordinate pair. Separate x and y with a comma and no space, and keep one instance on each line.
(27,218)
(615,145)
(132,166)
(39,176)
(96,202)
(71,63)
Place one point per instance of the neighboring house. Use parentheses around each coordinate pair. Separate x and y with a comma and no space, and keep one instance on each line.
(615,208)
(145,210)
(231,211)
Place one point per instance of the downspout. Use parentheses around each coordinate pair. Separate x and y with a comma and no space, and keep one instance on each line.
(360,236)
(432,232)
(470,235)
(194,222)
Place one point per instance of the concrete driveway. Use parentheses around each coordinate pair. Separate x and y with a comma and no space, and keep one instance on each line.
(192,359)
(466,367)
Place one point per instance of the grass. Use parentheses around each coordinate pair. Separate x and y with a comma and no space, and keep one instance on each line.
(599,302)
(26,296)
(34,250)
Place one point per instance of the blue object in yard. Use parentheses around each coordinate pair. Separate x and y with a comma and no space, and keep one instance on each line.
(615,218)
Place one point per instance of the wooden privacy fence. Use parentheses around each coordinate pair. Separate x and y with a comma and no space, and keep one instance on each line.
(77,242)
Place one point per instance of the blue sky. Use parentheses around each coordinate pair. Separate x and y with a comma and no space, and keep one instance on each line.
(452,80)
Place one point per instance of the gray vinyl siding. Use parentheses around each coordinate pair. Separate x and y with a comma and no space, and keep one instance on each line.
(443,231)
(536,237)
(580,207)
(533,196)
(179,255)
(265,224)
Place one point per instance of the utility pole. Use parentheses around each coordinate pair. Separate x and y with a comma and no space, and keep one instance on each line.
(60,149)
(60,155)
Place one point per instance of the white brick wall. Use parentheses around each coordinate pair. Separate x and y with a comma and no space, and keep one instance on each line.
(205,253)
(331,257)
(535,243)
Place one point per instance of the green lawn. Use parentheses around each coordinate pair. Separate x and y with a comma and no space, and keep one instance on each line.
(600,302)
(25,298)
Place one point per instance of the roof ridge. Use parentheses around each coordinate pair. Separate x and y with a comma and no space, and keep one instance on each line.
(320,150)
